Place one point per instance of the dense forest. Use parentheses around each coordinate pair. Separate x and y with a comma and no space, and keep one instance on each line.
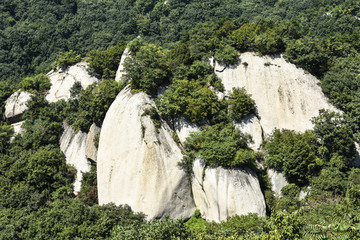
(170,42)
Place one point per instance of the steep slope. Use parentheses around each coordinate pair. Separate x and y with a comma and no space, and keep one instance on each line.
(137,163)
(285,96)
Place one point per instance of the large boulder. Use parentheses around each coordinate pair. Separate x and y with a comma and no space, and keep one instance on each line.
(15,105)
(220,193)
(74,147)
(285,96)
(63,80)
(120,70)
(137,163)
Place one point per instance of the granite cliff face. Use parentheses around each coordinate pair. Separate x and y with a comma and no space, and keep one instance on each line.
(74,148)
(137,163)
(63,80)
(285,96)
(220,193)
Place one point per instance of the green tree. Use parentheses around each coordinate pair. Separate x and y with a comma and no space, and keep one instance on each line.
(294,154)
(240,104)
(146,69)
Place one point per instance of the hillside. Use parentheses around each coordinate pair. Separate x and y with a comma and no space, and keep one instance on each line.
(179,119)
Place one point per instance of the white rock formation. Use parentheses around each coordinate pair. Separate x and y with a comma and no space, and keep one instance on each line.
(62,81)
(91,150)
(251,125)
(184,128)
(120,70)
(17,129)
(74,147)
(278,181)
(285,96)
(220,193)
(15,105)
(137,164)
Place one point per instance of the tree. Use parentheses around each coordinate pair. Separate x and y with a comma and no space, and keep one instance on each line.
(294,154)
(240,104)
(146,69)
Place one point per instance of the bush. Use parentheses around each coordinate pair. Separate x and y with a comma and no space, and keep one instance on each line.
(105,63)
(67,59)
(240,104)
(38,83)
(218,145)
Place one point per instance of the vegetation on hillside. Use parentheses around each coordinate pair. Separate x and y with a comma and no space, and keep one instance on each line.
(171,43)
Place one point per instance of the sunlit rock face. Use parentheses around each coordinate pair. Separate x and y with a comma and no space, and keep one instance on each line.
(277,180)
(120,70)
(63,80)
(137,163)
(15,105)
(220,193)
(285,96)
(74,147)
(91,149)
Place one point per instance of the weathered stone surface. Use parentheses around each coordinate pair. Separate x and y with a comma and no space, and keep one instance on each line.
(220,193)
(137,164)
(252,126)
(285,96)
(17,129)
(15,105)
(278,181)
(62,81)
(184,128)
(91,150)
(74,147)
(120,70)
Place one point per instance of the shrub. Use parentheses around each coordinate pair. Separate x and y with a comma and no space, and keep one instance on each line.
(240,104)
(67,59)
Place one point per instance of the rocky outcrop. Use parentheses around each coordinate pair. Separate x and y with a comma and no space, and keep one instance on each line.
(184,128)
(91,149)
(220,193)
(62,81)
(285,96)
(74,147)
(252,126)
(15,105)
(120,70)
(137,163)
(277,180)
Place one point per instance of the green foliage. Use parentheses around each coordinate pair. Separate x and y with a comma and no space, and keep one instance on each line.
(240,104)
(38,83)
(154,115)
(285,225)
(219,145)
(6,132)
(88,193)
(105,63)
(67,59)
(227,55)
(191,99)
(289,200)
(293,154)
(146,69)
(335,136)
(92,104)
(158,229)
